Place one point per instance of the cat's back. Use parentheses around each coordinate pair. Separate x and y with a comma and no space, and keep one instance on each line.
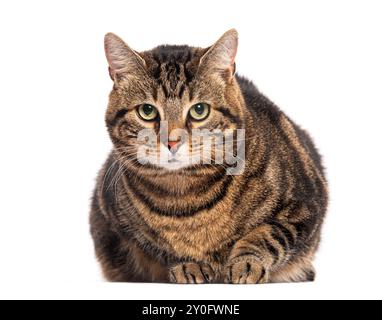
(262,108)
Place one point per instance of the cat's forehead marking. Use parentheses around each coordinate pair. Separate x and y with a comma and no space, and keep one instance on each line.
(173,70)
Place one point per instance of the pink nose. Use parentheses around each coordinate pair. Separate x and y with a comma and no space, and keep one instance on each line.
(172,144)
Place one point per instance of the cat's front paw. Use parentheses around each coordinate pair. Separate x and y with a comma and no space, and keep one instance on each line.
(191,272)
(246,270)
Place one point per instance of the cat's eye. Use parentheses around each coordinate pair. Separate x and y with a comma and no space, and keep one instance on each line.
(199,111)
(147,112)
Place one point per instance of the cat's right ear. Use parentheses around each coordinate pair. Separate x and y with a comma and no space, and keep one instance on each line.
(121,58)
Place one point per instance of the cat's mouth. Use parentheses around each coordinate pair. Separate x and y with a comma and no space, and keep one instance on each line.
(173,164)
(174,160)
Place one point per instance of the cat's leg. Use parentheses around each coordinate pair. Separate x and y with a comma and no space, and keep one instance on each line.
(297,270)
(192,272)
(111,254)
(121,259)
(267,252)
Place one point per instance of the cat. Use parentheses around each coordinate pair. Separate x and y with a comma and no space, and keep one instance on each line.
(181,222)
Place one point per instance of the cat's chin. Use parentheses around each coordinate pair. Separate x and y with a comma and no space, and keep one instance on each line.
(173,165)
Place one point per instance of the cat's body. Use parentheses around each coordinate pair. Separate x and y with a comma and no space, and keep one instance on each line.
(197,224)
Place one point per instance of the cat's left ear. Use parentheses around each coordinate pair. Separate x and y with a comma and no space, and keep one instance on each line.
(221,56)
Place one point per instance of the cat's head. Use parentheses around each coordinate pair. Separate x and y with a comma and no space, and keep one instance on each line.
(172,92)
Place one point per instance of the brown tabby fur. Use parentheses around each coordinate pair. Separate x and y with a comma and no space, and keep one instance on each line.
(198,224)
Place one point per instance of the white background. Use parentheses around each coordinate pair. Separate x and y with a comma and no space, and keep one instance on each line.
(321,61)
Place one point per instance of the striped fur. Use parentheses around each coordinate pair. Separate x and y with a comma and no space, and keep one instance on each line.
(198,224)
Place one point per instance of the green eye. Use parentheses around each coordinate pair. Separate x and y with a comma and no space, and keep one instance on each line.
(147,112)
(200,111)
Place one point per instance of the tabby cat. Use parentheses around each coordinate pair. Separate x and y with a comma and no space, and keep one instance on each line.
(183,222)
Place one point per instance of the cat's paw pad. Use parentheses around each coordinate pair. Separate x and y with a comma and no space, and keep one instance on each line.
(246,270)
(191,272)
